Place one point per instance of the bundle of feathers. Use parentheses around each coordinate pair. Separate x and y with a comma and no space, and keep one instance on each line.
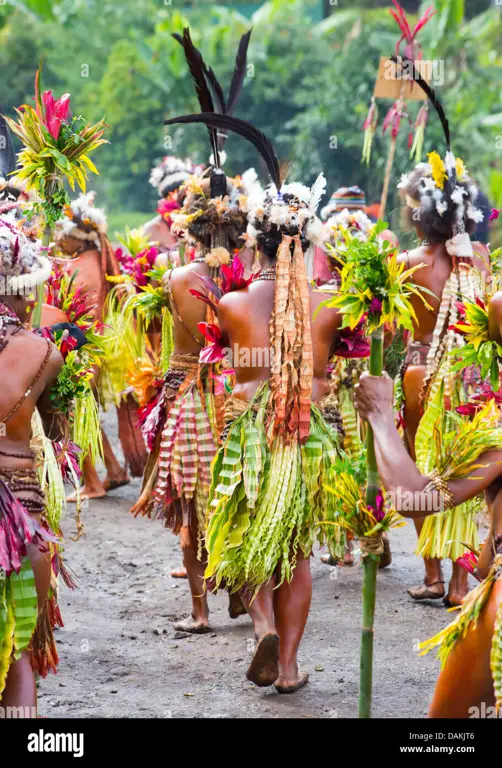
(22,263)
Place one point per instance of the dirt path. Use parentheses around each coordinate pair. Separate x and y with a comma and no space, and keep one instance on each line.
(121,658)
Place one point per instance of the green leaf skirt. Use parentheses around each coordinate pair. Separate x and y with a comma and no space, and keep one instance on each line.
(267,499)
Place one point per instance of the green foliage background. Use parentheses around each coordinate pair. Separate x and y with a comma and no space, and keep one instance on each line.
(309,85)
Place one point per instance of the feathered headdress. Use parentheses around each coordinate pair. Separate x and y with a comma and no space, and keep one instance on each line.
(290,332)
(444,184)
(23,265)
(171,172)
(208,86)
(83,220)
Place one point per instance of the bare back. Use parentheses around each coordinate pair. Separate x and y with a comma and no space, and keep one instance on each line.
(244,318)
(433,277)
(31,364)
(187,310)
(159,233)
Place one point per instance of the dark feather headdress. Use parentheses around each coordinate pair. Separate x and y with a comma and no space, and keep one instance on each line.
(242,128)
(208,88)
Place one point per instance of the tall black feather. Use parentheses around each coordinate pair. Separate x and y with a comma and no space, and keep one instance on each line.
(239,72)
(197,69)
(217,90)
(430,92)
(7,154)
(243,128)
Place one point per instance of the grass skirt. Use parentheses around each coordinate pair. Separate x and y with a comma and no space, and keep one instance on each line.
(465,622)
(22,626)
(267,498)
(178,474)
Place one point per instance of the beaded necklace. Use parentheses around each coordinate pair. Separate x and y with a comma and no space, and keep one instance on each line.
(265,274)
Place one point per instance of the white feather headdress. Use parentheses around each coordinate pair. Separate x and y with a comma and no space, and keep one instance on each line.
(23,265)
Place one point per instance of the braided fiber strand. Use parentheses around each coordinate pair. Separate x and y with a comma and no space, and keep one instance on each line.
(291,343)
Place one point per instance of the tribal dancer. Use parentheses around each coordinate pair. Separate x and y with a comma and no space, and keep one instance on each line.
(89,255)
(440,199)
(182,424)
(468,462)
(281,436)
(30,366)
(167,177)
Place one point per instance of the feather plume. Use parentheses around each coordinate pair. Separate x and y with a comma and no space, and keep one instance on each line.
(430,92)
(198,68)
(239,72)
(243,128)
(317,192)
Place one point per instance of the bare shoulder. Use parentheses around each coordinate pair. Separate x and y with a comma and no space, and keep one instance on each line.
(232,301)
(36,348)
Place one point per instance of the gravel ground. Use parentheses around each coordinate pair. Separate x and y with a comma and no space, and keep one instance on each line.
(120,656)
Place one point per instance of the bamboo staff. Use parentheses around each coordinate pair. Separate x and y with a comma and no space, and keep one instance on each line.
(371,559)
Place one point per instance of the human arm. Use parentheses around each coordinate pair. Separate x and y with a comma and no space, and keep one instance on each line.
(399,474)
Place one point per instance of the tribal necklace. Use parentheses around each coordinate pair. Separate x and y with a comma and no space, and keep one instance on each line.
(266,274)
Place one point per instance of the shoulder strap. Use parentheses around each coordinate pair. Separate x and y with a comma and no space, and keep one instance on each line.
(33,382)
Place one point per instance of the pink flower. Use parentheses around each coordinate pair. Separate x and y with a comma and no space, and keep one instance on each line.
(55,112)
(167,205)
(379,511)
(215,351)
(233,276)
(494,214)
(353,344)
(220,381)
(406,32)
(469,561)
(375,306)
(476,402)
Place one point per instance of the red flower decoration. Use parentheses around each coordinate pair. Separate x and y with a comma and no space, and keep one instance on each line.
(469,562)
(353,344)
(214,351)
(476,402)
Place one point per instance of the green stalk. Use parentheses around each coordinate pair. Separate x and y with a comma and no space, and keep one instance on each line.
(37,312)
(370,562)
(51,187)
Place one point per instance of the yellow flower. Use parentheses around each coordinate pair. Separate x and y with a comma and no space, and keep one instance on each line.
(438,170)
(461,169)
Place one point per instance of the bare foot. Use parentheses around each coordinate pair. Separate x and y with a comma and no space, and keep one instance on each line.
(87,492)
(290,685)
(434,591)
(179,573)
(117,481)
(264,667)
(193,626)
(458,587)
(236,607)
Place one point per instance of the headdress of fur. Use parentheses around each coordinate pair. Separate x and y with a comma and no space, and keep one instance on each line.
(355,221)
(23,265)
(83,221)
(168,175)
(202,215)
